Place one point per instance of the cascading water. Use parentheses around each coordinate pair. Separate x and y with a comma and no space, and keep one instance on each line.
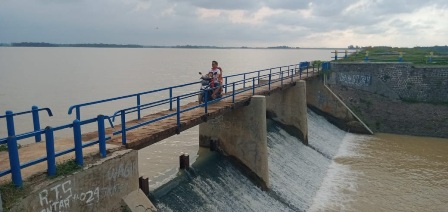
(296,173)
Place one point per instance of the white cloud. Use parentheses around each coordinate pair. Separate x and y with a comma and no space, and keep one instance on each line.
(304,23)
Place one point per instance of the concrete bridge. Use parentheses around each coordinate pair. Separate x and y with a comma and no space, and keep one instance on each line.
(236,123)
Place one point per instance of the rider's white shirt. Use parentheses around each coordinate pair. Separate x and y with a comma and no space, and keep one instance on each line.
(216,73)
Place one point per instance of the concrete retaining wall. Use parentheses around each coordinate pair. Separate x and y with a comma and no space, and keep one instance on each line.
(99,187)
(242,133)
(394,80)
(289,108)
(323,101)
(395,97)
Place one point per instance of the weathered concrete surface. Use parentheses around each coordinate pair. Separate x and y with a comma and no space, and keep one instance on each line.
(289,108)
(242,134)
(98,187)
(395,97)
(393,80)
(322,100)
(137,201)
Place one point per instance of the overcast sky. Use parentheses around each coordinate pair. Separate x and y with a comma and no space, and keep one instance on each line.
(301,23)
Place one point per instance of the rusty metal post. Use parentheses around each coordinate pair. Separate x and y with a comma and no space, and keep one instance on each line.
(143,185)
(213,145)
(184,161)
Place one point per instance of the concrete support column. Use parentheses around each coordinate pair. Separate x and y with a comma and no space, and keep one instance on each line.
(242,134)
(290,109)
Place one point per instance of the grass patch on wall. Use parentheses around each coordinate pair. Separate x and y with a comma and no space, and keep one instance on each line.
(11,194)
(66,168)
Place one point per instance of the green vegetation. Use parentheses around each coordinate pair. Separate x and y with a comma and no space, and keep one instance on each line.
(125,208)
(416,55)
(66,168)
(11,194)
(4,147)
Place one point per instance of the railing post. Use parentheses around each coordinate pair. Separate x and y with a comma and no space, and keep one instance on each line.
(51,158)
(307,71)
(36,123)
(78,113)
(233,93)
(14,161)
(123,127)
(281,74)
(225,88)
(171,98)
(206,101)
(78,142)
(10,123)
(292,76)
(138,107)
(178,113)
(13,150)
(244,80)
(101,135)
(269,83)
(319,66)
(258,77)
(253,86)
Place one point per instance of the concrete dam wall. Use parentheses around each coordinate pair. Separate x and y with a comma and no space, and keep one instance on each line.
(394,97)
(393,80)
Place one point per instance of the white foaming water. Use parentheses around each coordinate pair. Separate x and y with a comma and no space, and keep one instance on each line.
(339,183)
(297,173)
(323,136)
(295,170)
(218,187)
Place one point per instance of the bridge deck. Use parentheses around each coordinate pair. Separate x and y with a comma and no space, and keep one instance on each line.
(145,135)
(152,133)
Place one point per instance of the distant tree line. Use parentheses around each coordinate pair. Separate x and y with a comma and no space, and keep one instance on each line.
(194,46)
(439,49)
(97,45)
(279,47)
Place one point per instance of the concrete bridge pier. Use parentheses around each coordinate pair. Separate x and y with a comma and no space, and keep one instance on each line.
(290,109)
(242,134)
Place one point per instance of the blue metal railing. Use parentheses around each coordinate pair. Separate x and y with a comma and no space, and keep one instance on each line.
(290,72)
(250,82)
(13,149)
(9,115)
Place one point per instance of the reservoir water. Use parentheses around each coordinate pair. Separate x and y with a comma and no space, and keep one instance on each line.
(338,171)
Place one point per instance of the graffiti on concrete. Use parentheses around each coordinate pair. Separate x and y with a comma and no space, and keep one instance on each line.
(58,197)
(355,79)
(64,196)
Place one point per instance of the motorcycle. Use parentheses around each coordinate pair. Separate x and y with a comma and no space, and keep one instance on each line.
(206,89)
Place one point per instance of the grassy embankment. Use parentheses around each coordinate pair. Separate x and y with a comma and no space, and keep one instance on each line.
(416,55)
